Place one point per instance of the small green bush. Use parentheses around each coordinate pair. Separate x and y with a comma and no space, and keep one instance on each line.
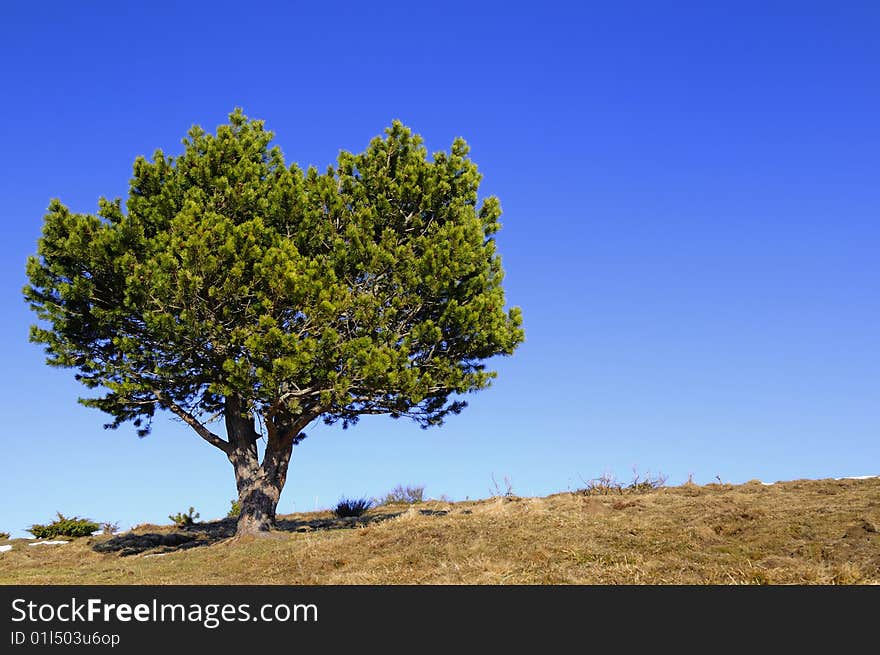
(4,535)
(234,510)
(182,520)
(64,526)
(401,494)
(352,507)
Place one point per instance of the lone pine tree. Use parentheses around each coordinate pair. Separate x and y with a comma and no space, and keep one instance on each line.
(234,286)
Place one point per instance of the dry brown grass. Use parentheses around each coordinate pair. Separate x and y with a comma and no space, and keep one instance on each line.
(799,532)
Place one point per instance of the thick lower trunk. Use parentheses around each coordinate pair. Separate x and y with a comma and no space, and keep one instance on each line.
(259,484)
(258,502)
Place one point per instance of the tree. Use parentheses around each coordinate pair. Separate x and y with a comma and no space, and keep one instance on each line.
(234,286)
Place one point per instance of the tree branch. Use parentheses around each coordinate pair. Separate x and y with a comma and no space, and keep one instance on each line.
(193,422)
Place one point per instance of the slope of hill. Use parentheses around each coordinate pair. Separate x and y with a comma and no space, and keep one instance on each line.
(801,532)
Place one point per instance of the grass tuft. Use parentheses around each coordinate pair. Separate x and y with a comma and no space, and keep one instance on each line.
(349,507)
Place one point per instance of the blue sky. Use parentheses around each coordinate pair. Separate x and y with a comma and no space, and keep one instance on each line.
(691,207)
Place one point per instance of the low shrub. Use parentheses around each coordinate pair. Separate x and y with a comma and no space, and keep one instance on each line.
(182,520)
(604,485)
(64,526)
(649,483)
(496,491)
(607,484)
(234,510)
(352,507)
(401,494)
(4,535)
(109,528)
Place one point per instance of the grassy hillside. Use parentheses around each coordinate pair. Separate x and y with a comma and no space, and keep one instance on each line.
(803,532)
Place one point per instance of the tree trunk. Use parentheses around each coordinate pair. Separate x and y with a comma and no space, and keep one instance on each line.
(259,485)
(258,501)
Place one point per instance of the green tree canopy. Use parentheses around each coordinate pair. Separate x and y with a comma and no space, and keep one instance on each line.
(235,285)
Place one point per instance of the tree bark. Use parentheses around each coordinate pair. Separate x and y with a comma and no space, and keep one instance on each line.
(258,500)
(259,484)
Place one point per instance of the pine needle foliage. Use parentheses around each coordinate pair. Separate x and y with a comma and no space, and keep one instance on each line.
(64,526)
(373,287)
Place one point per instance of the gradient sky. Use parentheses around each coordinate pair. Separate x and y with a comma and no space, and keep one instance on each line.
(691,207)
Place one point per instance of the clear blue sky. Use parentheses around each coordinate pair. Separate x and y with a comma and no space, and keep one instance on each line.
(691,198)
